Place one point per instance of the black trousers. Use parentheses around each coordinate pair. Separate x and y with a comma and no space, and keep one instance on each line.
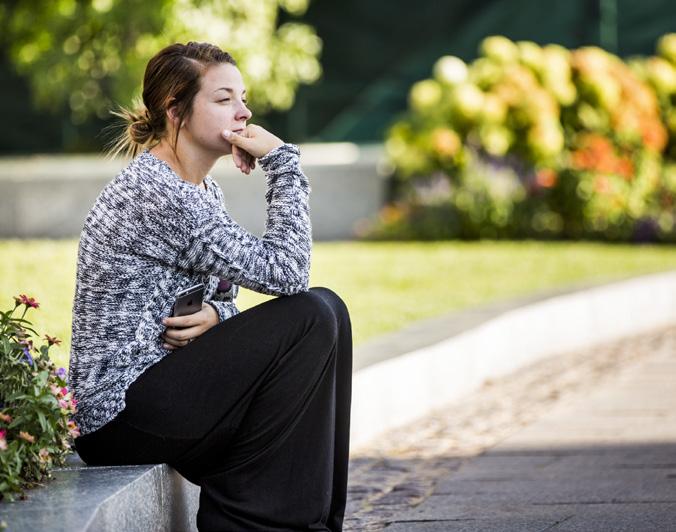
(256,411)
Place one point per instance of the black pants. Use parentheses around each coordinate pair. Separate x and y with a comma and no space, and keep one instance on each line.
(256,411)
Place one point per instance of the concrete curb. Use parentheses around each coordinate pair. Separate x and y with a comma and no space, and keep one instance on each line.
(390,393)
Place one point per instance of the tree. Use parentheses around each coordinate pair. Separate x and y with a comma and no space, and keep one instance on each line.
(90,55)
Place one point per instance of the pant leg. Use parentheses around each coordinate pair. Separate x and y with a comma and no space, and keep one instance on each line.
(343,407)
(259,396)
(291,465)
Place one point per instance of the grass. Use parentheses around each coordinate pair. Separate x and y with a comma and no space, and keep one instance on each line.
(385,285)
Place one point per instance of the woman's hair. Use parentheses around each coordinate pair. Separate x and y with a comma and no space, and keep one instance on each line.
(172,79)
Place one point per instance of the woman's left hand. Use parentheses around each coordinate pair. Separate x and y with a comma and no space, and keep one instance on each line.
(183,329)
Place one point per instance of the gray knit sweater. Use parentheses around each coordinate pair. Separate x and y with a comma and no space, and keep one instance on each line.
(149,235)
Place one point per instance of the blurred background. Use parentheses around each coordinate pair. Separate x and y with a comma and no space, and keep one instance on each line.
(454,147)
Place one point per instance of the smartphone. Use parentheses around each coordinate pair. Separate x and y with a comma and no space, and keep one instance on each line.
(189,300)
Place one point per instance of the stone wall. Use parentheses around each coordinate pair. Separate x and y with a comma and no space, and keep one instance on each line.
(49,196)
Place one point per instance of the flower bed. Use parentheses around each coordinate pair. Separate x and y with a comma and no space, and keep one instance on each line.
(36,407)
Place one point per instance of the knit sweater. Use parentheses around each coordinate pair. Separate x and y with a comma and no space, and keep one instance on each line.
(151,234)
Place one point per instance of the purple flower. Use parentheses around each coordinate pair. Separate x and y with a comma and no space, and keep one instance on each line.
(28,356)
(61,373)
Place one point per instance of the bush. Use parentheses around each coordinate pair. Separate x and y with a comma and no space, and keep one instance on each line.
(36,407)
(590,141)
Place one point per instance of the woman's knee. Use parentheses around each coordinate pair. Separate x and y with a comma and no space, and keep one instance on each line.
(319,311)
(333,300)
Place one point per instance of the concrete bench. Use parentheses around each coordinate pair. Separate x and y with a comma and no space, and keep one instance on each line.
(128,498)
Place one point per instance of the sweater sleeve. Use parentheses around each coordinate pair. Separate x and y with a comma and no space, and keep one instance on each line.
(225,309)
(278,263)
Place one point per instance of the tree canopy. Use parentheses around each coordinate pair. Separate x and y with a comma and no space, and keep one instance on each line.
(90,55)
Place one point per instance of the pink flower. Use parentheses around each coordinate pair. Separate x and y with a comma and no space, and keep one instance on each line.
(23,299)
(56,391)
(64,404)
(27,342)
(3,441)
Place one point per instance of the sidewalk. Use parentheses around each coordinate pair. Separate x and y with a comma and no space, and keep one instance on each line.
(601,459)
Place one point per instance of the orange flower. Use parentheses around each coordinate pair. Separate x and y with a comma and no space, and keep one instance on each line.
(26,436)
(625,168)
(391,213)
(546,178)
(52,340)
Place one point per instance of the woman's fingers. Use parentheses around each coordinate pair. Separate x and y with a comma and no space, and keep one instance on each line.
(174,338)
(181,330)
(254,140)
(236,157)
(241,159)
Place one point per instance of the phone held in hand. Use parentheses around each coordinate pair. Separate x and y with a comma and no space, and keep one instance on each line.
(189,300)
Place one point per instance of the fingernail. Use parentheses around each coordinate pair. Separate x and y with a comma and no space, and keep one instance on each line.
(164,320)
(227,132)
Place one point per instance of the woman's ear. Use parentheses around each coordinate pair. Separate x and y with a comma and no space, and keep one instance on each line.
(172,112)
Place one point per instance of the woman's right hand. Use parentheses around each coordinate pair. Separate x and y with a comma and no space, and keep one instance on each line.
(254,140)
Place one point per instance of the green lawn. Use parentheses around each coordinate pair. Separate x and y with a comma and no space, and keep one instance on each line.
(385,285)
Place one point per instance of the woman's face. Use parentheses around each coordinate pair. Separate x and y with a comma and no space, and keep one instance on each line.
(220,104)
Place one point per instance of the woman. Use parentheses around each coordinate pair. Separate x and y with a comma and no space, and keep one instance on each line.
(252,406)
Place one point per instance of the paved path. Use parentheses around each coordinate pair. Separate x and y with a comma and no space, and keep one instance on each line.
(584,441)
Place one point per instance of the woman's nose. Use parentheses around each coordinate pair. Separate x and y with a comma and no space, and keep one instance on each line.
(244,113)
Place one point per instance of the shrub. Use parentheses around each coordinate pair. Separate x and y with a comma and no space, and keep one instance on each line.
(590,137)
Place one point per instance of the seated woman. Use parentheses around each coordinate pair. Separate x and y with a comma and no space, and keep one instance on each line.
(252,406)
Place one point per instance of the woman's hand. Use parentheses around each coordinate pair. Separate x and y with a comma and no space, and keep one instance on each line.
(251,144)
(183,329)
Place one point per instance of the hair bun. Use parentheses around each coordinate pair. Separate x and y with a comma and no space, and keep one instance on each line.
(140,127)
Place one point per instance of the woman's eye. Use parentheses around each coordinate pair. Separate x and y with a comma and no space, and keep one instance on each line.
(225,100)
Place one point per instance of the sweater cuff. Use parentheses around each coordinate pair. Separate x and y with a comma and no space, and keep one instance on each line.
(279,157)
(225,309)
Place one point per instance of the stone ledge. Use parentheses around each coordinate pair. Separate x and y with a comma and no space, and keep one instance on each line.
(94,499)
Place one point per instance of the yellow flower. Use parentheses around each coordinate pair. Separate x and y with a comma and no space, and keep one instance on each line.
(499,48)
(450,70)
(666,47)
(425,95)
(468,100)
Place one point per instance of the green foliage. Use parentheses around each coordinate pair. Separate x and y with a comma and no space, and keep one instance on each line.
(35,405)
(91,55)
(590,139)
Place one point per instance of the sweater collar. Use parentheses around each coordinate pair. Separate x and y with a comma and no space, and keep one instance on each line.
(148,158)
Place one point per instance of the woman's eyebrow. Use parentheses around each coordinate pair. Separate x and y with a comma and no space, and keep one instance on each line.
(228,89)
